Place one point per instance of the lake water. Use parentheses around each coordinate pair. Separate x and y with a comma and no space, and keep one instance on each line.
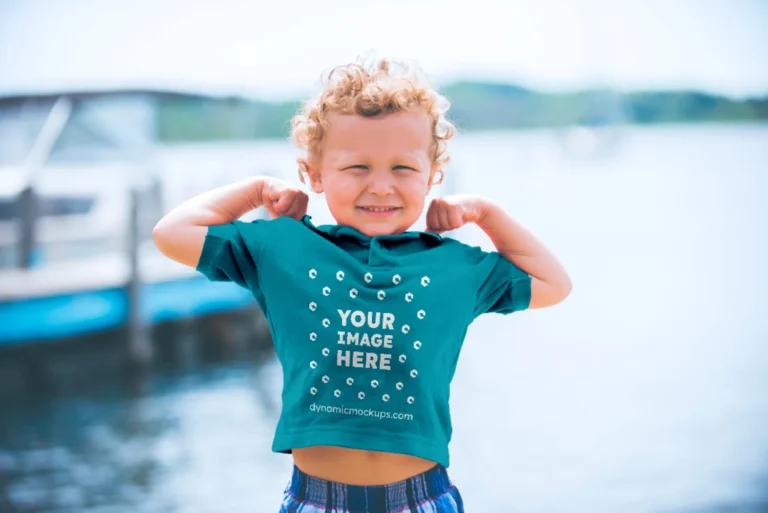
(646,391)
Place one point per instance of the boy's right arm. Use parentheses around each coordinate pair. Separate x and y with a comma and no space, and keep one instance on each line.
(180,235)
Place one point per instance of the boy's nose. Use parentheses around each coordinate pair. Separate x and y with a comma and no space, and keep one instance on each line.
(381,186)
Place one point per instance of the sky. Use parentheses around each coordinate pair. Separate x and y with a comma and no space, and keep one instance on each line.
(279,49)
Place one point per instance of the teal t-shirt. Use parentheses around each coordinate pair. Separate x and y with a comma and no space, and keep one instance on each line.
(367,330)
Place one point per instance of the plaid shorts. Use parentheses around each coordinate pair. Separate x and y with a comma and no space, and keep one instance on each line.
(431,491)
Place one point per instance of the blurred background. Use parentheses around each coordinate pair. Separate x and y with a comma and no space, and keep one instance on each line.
(631,137)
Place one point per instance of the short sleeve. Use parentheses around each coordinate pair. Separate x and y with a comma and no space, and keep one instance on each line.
(502,287)
(231,252)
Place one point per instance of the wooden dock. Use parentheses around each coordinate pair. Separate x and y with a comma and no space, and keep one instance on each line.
(66,299)
(77,261)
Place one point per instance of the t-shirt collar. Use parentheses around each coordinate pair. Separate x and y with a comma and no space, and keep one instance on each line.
(340,230)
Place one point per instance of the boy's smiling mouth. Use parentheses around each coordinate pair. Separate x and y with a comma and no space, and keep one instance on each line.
(378,211)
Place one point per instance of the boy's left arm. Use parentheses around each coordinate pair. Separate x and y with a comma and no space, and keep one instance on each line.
(550,283)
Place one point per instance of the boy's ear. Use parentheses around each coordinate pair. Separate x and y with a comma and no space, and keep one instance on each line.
(435,177)
(313,175)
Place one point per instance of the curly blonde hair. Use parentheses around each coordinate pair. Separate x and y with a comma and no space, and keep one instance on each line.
(384,87)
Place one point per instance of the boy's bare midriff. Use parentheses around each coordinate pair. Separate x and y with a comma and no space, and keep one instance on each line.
(356,467)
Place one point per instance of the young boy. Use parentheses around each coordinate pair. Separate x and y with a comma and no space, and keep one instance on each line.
(367,317)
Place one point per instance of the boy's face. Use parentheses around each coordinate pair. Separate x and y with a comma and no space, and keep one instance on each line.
(375,171)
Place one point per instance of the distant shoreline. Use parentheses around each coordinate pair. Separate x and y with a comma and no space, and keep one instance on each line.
(475,106)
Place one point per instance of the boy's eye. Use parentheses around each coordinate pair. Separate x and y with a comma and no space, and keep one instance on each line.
(360,166)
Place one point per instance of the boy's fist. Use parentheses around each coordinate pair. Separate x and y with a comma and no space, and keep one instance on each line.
(282,199)
(452,212)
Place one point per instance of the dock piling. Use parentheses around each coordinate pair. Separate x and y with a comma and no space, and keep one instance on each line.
(139,340)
